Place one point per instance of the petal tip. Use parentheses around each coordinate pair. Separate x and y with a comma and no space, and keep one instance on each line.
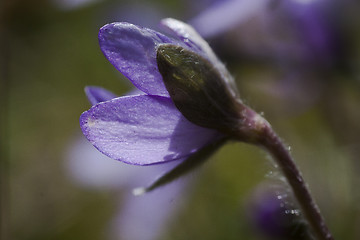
(84,122)
(167,21)
(111,28)
(139,191)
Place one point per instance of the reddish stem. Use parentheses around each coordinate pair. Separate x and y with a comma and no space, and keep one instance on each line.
(273,144)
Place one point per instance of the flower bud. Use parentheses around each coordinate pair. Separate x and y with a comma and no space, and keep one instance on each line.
(203,96)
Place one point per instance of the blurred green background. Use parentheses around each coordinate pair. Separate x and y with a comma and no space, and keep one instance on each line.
(50,53)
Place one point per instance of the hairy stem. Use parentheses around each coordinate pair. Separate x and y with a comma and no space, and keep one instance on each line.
(273,144)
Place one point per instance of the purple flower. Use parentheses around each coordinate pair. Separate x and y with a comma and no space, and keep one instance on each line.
(301,39)
(142,218)
(296,30)
(272,214)
(318,34)
(146,128)
(224,15)
(187,108)
(72,4)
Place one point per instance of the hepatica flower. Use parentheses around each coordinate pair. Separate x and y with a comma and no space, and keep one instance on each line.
(188,106)
(188,100)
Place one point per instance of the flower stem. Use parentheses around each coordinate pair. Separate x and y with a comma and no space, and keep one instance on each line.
(273,144)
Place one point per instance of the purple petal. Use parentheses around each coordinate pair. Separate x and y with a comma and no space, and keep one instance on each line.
(68,5)
(90,168)
(189,36)
(96,95)
(148,217)
(132,51)
(143,130)
(221,17)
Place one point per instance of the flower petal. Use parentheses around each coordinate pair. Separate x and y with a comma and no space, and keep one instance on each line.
(221,17)
(92,169)
(147,217)
(132,51)
(189,36)
(143,130)
(96,95)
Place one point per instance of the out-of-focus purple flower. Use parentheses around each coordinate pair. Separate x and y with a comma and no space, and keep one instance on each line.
(224,15)
(144,218)
(146,128)
(73,4)
(316,32)
(141,13)
(148,217)
(272,214)
(302,39)
(300,31)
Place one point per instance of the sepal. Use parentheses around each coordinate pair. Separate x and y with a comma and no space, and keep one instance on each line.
(197,88)
(188,165)
(204,96)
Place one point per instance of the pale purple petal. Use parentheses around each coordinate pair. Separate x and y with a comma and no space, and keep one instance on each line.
(96,95)
(143,130)
(189,36)
(149,216)
(140,13)
(68,5)
(132,51)
(138,218)
(221,17)
(90,168)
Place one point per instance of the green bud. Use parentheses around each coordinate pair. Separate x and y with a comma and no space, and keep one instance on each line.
(197,88)
(203,96)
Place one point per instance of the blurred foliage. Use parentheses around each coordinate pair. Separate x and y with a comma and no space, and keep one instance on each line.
(49,55)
